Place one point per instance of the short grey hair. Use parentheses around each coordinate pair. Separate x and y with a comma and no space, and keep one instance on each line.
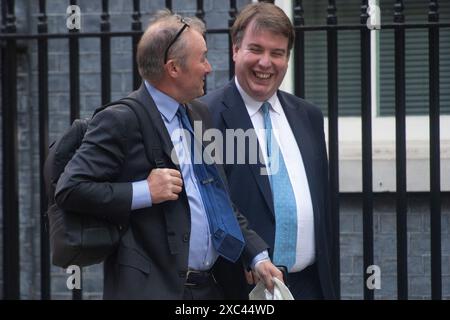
(161,31)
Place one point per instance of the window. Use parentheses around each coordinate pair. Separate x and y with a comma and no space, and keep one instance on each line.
(349,78)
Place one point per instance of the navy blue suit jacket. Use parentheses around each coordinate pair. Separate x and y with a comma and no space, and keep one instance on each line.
(250,191)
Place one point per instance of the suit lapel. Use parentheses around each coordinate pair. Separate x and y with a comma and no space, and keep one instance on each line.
(236,117)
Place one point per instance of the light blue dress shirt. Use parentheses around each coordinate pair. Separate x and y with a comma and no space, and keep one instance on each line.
(202,254)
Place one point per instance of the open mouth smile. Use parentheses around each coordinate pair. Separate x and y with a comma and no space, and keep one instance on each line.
(262,75)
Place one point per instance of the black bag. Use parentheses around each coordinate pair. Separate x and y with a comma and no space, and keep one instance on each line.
(77,239)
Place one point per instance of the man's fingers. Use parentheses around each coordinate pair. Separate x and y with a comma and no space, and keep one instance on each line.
(177,181)
(268,281)
(266,271)
(280,277)
(256,277)
(249,277)
(173,196)
(176,189)
(174,173)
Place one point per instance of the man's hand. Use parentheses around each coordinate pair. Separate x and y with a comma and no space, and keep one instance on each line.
(164,184)
(265,271)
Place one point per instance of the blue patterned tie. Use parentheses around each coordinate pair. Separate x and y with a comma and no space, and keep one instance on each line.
(283,198)
(226,234)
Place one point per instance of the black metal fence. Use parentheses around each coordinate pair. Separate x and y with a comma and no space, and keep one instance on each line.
(9,45)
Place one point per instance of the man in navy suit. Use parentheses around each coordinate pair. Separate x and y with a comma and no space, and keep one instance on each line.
(262,37)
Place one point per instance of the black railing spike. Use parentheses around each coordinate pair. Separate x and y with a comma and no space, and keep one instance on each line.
(10,17)
(105,24)
(42,17)
(433,13)
(364,15)
(136,13)
(399,16)
(331,12)
(200,13)
(169,4)
(232,12)
(3,4)
(299,20)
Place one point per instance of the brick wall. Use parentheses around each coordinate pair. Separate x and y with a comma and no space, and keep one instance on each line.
(385,251)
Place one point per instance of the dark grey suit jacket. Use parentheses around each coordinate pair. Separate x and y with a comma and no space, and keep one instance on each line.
(152,258)
(250,191)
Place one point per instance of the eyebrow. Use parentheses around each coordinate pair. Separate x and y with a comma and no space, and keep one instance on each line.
(279,50)
(250,45)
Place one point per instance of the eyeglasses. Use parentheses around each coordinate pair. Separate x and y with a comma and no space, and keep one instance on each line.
(185,25)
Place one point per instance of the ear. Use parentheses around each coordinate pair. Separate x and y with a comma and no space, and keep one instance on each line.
(235,52)
(172,69)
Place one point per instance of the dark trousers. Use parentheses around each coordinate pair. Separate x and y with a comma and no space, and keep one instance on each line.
(305,284)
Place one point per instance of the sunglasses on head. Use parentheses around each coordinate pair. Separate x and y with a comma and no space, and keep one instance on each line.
(185,25)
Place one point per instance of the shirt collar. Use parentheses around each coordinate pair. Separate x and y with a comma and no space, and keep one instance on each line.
(252,105)
(166,105)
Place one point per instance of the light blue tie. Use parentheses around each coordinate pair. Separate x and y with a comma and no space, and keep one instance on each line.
(283,199)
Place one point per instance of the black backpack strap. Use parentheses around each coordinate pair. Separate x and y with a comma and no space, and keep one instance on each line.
(153,151)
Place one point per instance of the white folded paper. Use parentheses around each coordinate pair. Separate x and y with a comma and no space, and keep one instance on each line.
(280,292)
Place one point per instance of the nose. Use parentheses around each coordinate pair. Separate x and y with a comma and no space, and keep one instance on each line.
(264,60)
(208,67)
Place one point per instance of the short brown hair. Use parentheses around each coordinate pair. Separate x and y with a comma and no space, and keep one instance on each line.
(267,16)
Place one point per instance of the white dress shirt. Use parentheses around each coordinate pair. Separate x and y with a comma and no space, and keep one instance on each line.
(305,255)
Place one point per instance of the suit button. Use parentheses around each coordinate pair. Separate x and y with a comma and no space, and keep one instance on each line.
(186,237)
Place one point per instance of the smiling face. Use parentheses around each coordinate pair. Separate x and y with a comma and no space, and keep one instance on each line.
(261,62)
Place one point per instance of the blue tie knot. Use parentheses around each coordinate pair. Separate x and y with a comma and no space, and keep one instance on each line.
(265,108)
(182,114)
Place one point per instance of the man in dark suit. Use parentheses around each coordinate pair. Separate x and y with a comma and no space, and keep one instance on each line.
(174,243)
(287,206)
